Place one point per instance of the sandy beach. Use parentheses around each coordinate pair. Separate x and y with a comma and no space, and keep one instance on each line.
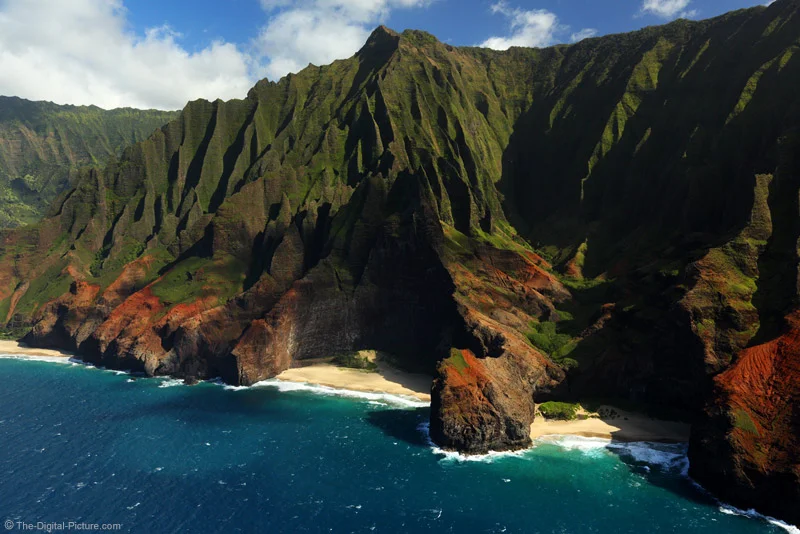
(626,426)
(16,349)
(387,379)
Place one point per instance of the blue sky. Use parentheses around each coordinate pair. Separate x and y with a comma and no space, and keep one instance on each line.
(162,53)
(459,22)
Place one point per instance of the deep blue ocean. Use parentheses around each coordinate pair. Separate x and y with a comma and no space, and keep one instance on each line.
(86,445)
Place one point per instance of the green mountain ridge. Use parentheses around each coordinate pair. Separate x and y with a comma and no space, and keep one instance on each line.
(43,145)
(612,219)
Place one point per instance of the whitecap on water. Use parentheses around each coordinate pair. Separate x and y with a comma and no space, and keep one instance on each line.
(170,382)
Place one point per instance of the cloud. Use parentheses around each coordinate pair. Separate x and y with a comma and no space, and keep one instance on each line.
(300,32)
(529,28)
(585,33)
(82,52)
(668,9)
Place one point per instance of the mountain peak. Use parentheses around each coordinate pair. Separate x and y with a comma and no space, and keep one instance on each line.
(382,31)
(381,37)
(381,44)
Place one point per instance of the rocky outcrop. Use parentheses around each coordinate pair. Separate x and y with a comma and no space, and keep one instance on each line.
(744,449)
(487,404)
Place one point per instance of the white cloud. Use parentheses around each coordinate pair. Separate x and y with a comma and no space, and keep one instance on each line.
(529,28)
(668,9)
(300,32)
(585,33)
(82,52)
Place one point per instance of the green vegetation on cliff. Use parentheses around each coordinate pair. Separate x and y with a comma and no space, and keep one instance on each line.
(43,145)
(561,411)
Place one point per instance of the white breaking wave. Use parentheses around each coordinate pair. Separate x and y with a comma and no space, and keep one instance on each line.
(284,386)
(453,456)
(668,456)
(752,514)
(665,455)
(589,446)
(488,458)
(672,457)
(65,360)
(374,398)
(170,382)
(29,357)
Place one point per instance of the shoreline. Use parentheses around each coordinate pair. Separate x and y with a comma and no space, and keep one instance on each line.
(15,348)
(386,379)
(624,426)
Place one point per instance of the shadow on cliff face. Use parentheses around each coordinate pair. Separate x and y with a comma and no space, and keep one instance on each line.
(402,425)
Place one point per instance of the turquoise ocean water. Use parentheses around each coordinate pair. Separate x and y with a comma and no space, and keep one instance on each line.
(85,445)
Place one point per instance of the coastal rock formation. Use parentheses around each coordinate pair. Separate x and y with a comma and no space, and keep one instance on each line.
(472,413)
(616,218)
(750,434)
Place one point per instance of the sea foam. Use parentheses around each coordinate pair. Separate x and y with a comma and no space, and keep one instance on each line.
(667,456)
(752,514)
(589,446)
(170,382)
(672,457)
(728,509)
(453,456)
(284,386)
(30,357)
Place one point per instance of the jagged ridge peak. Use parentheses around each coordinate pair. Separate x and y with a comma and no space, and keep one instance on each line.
(381,41)
(382,32)
(385,40)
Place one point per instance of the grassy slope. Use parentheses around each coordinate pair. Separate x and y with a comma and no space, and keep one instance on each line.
(43,144)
